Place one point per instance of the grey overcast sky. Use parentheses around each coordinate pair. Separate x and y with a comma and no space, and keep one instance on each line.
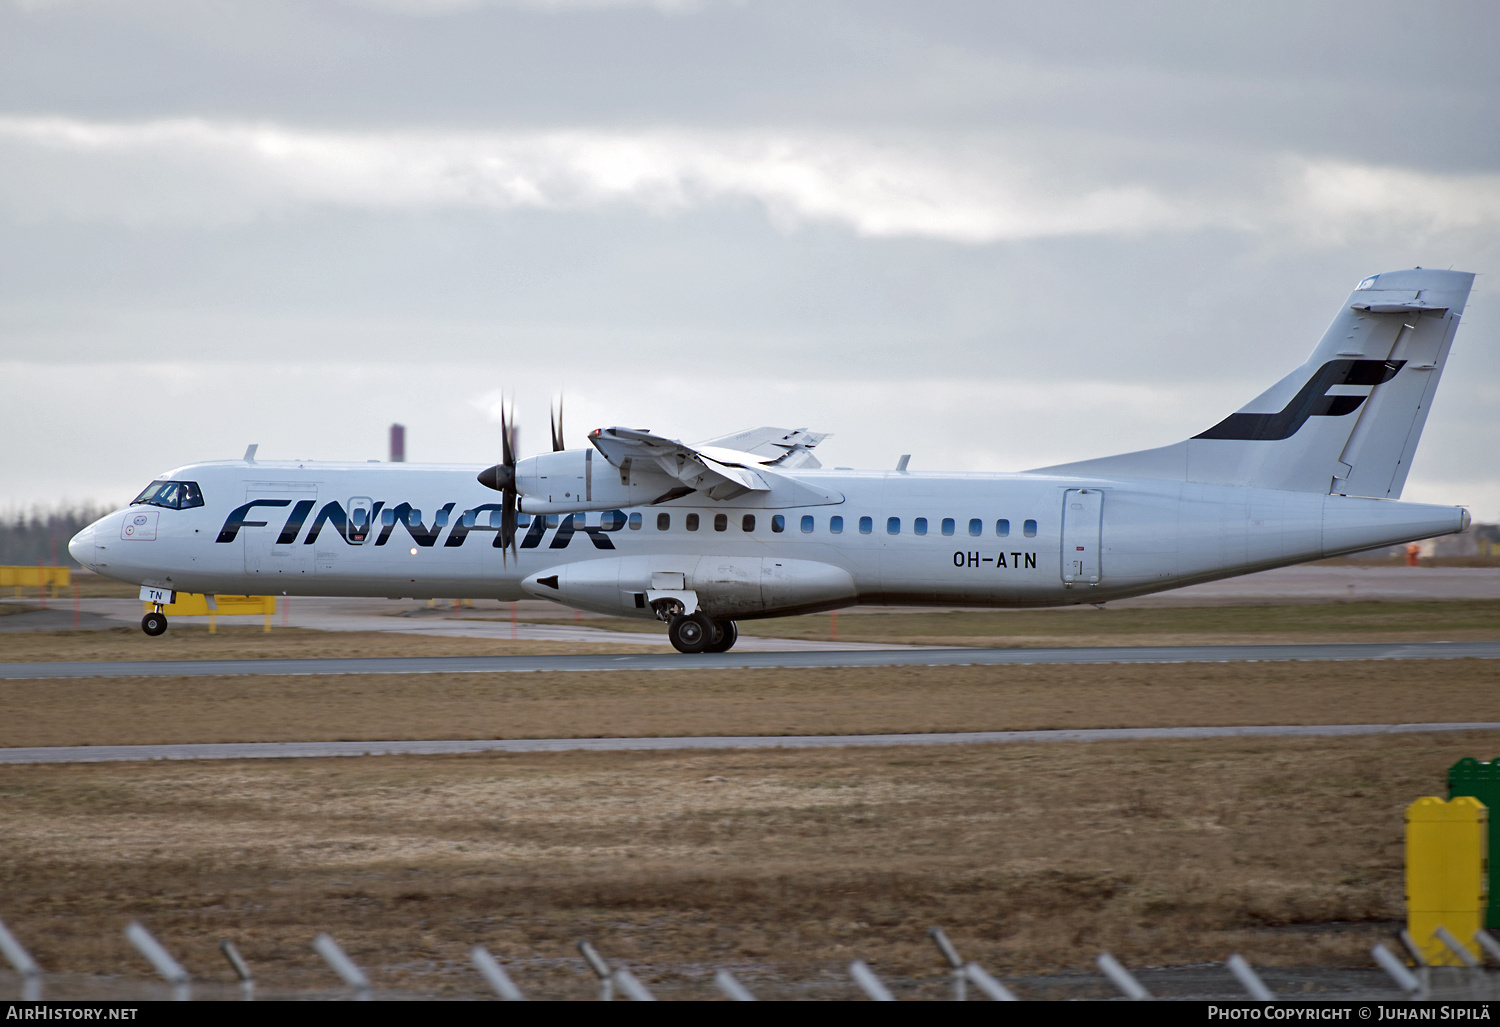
(993,235)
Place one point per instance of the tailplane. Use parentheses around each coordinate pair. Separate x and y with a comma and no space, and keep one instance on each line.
(1346,422)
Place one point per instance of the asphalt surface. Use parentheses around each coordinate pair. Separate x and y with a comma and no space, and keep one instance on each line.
(538,622)
(750,660)
(304,750)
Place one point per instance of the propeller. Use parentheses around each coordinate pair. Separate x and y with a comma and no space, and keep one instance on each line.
(502,478)
(557,426)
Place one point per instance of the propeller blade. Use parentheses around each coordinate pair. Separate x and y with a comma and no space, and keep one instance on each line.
(557,427)
(507,481)
(502,476)
(508,527)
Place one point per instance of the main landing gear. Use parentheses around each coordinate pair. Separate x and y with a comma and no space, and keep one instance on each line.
(154,623)
(699,633)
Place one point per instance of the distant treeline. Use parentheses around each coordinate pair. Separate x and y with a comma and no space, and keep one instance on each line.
(39,534)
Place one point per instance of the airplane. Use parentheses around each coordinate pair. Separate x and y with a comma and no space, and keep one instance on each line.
(751,525)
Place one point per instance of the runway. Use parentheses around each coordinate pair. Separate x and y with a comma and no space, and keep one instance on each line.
(312,750)
(752,660)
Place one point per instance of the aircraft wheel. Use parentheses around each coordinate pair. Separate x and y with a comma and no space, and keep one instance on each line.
(726,635)
(154,624)
(693,633)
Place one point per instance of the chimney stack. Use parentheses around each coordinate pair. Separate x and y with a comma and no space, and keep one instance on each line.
(398,443)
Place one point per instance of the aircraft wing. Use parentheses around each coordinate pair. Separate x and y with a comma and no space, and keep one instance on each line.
(720,474)
(776,447)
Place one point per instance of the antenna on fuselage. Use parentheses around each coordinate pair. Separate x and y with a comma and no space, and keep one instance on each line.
(250,452)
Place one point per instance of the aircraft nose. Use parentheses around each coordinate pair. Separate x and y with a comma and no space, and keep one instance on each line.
(81,548)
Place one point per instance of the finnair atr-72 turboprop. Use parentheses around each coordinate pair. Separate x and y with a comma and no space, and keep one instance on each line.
(750,525)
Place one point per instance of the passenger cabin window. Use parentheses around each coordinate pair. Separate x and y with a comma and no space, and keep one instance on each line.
(612,520)
(1002,527)
(866,525)
(721,521)
(778,523)
(836,525)
(171,495)
(635,521)
(919,526)
(1029,529)
(976,526)
(691,522)
(947,525)
(807,524)
(747,522)
(893,525)
(663,521)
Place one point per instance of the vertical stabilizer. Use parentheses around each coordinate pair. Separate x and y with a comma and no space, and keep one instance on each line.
(1346,422)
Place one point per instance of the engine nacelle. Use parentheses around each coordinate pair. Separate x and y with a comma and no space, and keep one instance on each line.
(581,479)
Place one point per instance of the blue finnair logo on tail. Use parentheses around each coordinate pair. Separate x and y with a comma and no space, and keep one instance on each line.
(1312,400)
(355,530)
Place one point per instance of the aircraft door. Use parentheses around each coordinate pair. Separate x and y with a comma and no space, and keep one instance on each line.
(1082,525)
(361,516)
(265,556)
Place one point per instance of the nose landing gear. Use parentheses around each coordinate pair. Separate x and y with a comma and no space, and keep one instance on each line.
(698,633)
(154,623)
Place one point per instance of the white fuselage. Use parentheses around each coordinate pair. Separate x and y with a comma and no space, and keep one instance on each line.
(984,540)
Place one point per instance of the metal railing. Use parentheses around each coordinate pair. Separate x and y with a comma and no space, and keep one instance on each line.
(1471,980)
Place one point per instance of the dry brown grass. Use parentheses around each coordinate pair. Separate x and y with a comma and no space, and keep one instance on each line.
(782,865)
(241,642)
(110,711)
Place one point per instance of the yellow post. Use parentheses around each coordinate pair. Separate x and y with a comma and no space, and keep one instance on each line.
(213,623)
(1447,876)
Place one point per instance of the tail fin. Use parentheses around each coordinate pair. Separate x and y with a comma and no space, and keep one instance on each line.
(1347,421)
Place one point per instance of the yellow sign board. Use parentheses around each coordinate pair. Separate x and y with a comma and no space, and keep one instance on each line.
(190,604)
(35,577)
(1447,876)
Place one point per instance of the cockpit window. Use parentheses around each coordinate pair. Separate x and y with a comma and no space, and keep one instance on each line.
(173,495)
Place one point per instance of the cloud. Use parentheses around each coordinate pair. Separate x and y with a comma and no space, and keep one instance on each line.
(437,8)
(440,8)
(197,171)
(1337,200)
